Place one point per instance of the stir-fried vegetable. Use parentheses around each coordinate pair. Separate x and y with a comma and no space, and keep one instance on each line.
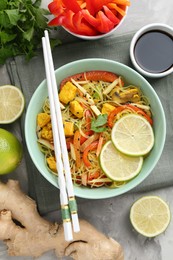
(86,131)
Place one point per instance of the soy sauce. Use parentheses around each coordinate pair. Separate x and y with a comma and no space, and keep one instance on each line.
(154,51)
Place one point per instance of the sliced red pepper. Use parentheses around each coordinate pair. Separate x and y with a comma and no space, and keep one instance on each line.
(90,18)
(111,16)
(81,26)
(83,138)
(72,5)
(55,8)
(95,6)
(91,147)
(95,18)
(91,75)
(117,110)
(105,24)
(90,7)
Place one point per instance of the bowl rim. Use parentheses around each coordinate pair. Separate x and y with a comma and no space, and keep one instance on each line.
(130,185)
(153,26)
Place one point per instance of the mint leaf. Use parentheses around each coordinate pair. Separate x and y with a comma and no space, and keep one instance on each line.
(97,125)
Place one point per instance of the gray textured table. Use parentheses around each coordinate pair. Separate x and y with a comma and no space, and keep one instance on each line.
(112,216)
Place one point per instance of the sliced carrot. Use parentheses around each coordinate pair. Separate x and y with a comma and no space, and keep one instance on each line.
(100,144)
(76,143)
(91,75)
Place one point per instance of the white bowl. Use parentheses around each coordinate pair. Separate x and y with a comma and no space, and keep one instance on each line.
(150,27)
(132,77)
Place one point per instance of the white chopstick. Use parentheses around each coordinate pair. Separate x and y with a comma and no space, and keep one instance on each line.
(60,130)
(61,180)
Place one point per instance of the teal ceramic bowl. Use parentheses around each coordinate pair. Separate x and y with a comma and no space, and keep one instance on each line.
(132,77)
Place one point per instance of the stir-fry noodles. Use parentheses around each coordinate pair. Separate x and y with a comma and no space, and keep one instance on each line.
(91,103)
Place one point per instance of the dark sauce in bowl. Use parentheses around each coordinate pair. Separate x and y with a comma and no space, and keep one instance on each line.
(154,51)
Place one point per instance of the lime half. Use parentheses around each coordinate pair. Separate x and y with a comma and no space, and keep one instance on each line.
(150,216)
(133,135)
(118,166)
(12,103)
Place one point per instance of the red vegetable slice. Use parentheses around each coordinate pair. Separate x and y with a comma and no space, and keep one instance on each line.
(72,5)
(81,26)
(91,147)
(105,24)
(90,18)
(92,75)
(117,110)
(55,8)
(110,15)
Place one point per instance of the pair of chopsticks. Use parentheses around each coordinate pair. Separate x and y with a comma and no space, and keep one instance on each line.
(67,198)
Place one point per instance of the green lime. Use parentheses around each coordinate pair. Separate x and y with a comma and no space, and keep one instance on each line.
(10,152)
(118,166)
(133,135)
(150,216)
(12,104)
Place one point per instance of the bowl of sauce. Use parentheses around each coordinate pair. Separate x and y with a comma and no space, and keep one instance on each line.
(151,50)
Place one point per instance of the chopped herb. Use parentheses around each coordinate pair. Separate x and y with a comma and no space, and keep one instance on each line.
(22,25)
(98,124)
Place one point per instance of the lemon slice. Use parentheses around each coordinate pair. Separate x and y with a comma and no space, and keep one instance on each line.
(133,135)
(150,216)
(118,166)
(12,104)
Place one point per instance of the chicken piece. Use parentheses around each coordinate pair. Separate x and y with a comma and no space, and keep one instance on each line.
(51,163)
(46,132)
(67,93)
(107,108)
(43,119)
(76,109)
(68,128)
(127,95)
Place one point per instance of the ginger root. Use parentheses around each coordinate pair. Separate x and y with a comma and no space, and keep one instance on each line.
(26,233)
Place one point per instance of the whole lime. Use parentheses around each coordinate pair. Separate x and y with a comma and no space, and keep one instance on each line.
(10,152)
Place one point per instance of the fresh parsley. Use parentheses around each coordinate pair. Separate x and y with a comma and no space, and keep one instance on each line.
(98,124)
(22,25)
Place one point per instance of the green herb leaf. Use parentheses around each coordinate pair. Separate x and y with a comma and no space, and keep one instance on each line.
(13,16)
(97,125)
(5,37)
(3,4)
(22,25)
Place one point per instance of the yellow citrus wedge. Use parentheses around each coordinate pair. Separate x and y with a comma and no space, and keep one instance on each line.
(12,103)
(150,216)
(118,166)
(133,135)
